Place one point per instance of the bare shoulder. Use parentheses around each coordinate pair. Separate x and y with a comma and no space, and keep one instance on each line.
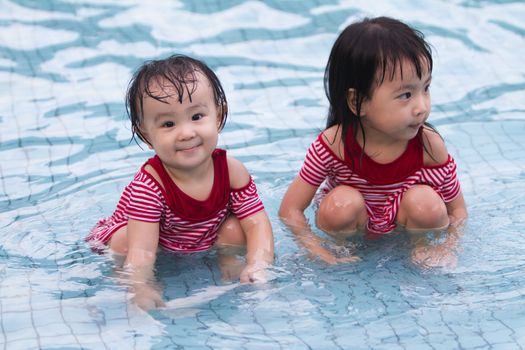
(150,170)
(239,175)
(332,138)
(436,151)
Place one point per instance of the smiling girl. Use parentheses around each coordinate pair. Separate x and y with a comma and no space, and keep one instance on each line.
(190,196)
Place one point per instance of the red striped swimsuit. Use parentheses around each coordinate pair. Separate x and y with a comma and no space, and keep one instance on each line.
(186,224)
(382,185)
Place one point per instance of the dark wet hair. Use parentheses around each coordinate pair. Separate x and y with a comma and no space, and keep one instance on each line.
(176,71)
(361,57)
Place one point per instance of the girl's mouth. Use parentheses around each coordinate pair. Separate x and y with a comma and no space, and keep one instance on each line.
(187,148)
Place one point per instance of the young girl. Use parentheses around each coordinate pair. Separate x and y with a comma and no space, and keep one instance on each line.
(380,164)
(190,195)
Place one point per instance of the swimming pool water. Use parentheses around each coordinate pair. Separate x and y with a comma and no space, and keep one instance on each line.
(65,155)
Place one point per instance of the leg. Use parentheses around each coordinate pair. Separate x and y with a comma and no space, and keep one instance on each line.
(231,241)
(422,209)
(230,234)
(118,243)
(342,212)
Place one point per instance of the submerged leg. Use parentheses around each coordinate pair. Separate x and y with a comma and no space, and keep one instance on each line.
(422,211)
(231,242)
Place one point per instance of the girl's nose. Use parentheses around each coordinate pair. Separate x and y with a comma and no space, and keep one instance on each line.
(422,104)
(186,131)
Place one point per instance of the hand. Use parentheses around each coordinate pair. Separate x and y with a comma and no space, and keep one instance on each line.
(434,256)
(329,258)
(254,273)
(230,266)
(147,297)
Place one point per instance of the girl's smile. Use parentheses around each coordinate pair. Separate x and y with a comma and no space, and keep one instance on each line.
(184,132)
(187,148)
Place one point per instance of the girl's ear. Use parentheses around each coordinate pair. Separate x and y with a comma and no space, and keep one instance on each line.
(221,113)
(351,96)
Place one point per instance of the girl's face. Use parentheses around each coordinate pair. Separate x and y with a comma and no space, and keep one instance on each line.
(398,107)
(183,134)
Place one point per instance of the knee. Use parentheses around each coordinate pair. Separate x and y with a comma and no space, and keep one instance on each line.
(342,209)
(119,241)
(231,233)
(424,209)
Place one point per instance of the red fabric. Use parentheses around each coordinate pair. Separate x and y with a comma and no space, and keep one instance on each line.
(187,207)
(144,199)
(323,167)
(376,173)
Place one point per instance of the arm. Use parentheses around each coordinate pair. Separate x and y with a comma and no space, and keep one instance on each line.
(297,198)
(143,239)
(256,228)
(457,210)
(259,246)
(457,213)
(438,154)
(442,254)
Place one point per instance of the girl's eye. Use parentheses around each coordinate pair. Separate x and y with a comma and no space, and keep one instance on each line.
(405,96)
(427,88)
(168,124)
(196,117)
